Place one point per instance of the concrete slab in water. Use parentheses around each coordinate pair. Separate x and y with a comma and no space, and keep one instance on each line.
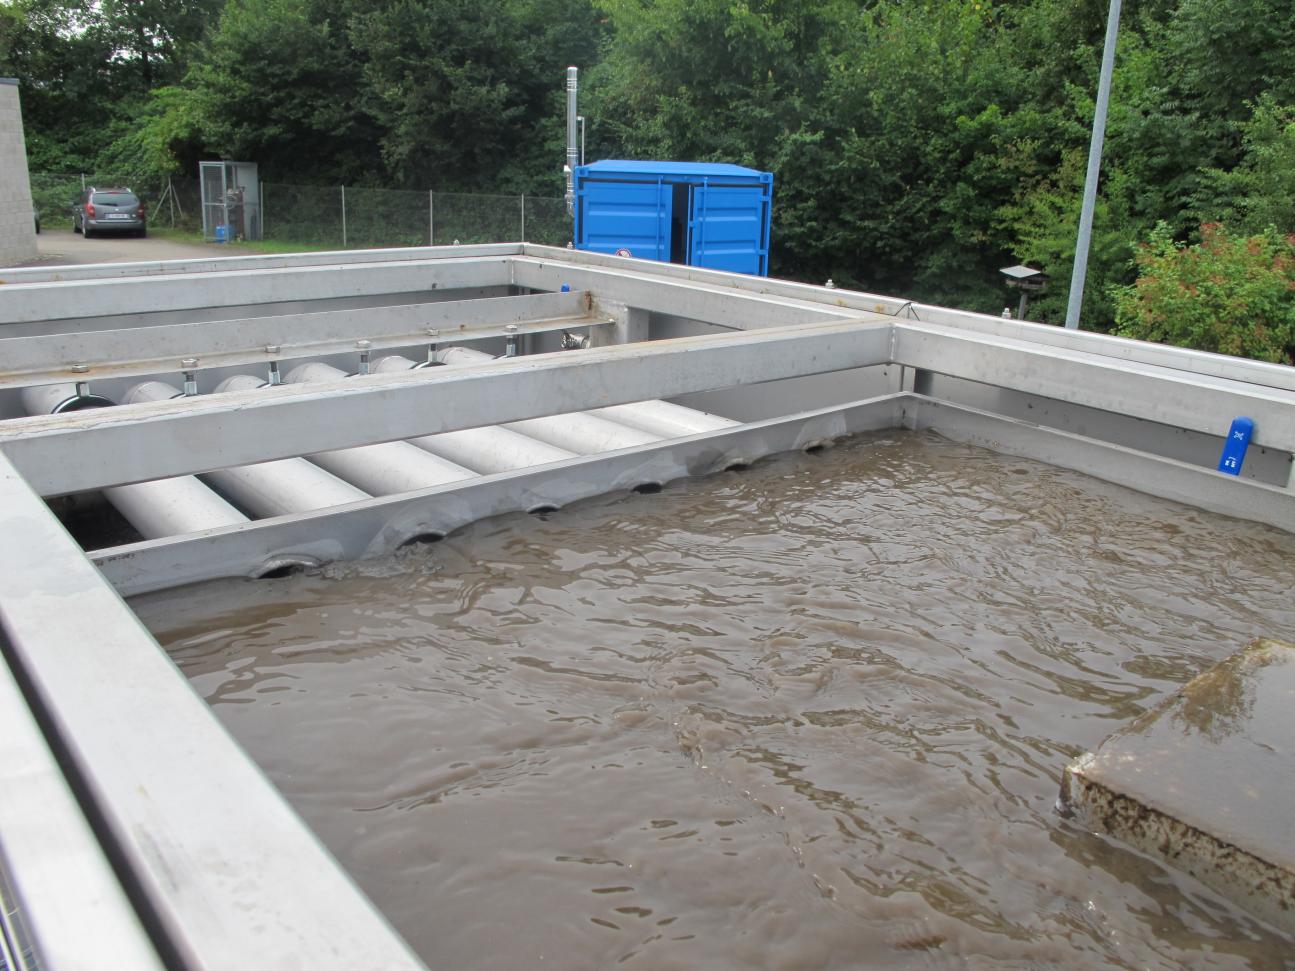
(1206,781)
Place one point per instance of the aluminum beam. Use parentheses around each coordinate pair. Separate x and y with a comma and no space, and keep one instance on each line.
(225,264)
(723,304)
(68,904)
(1152,474)
(32,302)
(1198,402)
(242,341)
(381,525)
(151,441)
(229,875)
(1125,349)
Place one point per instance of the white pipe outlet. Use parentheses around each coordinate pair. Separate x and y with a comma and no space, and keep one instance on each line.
(384,469)
(163,507)
(267,488)
(489,449)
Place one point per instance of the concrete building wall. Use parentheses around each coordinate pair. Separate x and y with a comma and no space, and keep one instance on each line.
(17,230)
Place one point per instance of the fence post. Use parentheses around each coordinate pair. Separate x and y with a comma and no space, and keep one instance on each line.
(431,218)
(523,217)
(343,217)
(82,181)
(260,204)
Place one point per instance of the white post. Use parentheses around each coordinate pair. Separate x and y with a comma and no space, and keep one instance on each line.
(523,217)
(343,217)
(431,218)
(260,192)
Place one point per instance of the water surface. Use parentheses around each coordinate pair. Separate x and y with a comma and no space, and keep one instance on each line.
(809,715)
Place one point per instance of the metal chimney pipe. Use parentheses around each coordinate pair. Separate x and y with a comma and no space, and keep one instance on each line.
(573,145)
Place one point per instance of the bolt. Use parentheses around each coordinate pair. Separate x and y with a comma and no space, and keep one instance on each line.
(82,389)
(80,368)
(189,366)
(275,378)
(510,349)
(829,284)
(272,348)
(364,347)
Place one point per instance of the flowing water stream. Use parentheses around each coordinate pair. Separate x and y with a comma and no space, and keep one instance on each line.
(809,715)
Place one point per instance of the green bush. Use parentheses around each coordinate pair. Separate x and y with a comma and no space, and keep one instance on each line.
(1231,295)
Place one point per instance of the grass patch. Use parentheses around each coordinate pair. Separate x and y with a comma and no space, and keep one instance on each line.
(229,249)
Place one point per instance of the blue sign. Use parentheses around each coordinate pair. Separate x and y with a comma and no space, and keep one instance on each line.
(1234,449)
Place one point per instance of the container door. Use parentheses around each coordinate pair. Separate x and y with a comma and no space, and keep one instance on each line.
(727,228)
(211,176)
(624,218)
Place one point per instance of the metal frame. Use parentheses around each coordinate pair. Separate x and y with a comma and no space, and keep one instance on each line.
(173,837)
(247,340)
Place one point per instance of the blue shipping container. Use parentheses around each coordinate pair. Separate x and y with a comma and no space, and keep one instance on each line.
(700,213)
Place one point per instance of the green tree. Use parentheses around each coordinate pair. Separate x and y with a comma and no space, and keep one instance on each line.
(1228,294)
(1260,192)
(278,83)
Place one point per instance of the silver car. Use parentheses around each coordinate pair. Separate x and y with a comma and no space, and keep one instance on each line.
(108,210)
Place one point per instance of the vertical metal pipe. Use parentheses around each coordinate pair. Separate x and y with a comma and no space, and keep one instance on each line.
(573,149)
(343,215)
(431,218)
(523,217)
(1080,272)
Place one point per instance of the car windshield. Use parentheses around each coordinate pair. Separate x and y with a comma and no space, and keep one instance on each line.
(115,199)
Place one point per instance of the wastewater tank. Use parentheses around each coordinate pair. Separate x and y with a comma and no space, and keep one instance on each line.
(665,616)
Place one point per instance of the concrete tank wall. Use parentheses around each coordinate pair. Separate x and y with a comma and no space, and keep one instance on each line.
(17,229)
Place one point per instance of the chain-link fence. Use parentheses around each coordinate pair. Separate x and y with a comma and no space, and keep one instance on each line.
(334,216)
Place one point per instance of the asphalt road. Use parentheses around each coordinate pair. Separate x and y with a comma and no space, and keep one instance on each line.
(62,247)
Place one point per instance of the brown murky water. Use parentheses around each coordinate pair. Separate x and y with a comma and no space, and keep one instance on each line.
(811,715)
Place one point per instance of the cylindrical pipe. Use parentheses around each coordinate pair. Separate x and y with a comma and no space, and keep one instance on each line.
(578,431)
(665,418)
(489,449)
(573,148)
(164,507)
(268,488)
(384,469)
(661,418)
(240,382)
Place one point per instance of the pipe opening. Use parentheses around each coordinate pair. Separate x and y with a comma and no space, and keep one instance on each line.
(80,402)
(814,449)
(422,539)
(741,465)
(543,509)
(284,566)
(648,488)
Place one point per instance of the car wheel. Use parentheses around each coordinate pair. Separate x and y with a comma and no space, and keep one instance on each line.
(76,227)
(143,234)
(85,230)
